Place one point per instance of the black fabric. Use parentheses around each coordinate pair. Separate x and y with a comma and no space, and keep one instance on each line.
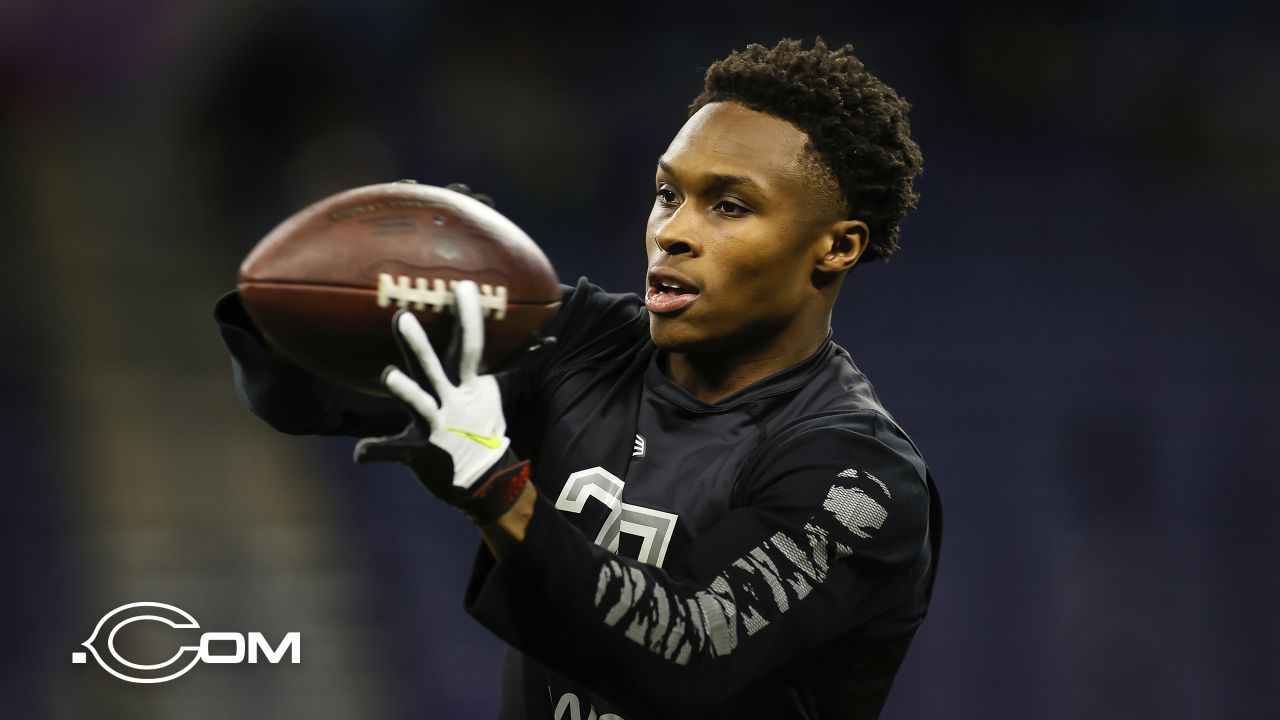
(287,397)
(789,533)
(747,480)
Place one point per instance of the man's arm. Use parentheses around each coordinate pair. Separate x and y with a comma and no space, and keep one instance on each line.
(830,517)
(836,517)
(831,527)
(502,535)
(289,398)
(294,401)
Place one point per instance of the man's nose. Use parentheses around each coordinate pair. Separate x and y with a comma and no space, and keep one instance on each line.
(675,236)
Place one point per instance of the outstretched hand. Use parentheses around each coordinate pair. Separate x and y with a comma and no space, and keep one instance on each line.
(457,443)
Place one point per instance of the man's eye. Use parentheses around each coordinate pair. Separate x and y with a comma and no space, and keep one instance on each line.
(666,196)
(729,208)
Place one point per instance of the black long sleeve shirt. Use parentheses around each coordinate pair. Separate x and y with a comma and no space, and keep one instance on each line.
(767,556)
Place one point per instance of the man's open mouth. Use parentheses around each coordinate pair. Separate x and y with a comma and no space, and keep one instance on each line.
(668,291)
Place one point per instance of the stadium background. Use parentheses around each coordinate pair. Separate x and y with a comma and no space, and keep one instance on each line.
(1075,331)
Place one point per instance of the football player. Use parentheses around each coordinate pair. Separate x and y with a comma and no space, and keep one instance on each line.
(692,503)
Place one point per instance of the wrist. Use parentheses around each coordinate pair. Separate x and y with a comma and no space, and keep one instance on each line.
(505,533)
(495,495)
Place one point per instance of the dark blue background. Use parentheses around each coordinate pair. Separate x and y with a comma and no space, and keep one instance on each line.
(1079,331)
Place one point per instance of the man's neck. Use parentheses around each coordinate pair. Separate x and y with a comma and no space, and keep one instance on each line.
(712,377)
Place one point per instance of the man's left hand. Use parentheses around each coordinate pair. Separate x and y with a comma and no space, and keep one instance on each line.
(457,443)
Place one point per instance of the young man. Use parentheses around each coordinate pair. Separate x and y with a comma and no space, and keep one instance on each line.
(722,519)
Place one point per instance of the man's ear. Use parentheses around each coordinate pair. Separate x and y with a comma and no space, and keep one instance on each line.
(844,244)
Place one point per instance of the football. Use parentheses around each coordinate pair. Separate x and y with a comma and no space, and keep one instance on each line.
(324,285)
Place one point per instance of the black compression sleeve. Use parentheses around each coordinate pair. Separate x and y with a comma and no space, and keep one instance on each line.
(833,519)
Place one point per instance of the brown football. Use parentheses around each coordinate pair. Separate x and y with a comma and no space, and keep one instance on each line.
(324,285)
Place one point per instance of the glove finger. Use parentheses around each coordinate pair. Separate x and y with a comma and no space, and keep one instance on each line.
(389,448)
(432,466)
(471,319)
(408,449)
(408,359)
(379,449)
(408,328)
(453,352)
(403,387)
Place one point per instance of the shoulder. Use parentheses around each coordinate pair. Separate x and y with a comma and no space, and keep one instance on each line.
(855,471)
(591,321)
(858,430)
(585,301)
(834,412)
(593,329)
(862,435)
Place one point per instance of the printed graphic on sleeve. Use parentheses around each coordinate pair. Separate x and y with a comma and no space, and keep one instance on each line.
(855,510)
(753,591)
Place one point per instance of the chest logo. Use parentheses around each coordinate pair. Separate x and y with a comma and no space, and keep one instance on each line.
(637,450)
(653,527)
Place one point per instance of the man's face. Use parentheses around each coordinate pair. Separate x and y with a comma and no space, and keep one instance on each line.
(736,230)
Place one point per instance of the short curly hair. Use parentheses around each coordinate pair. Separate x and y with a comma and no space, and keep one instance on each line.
(857,125)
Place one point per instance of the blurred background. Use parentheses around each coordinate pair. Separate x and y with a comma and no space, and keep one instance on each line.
(1080,331)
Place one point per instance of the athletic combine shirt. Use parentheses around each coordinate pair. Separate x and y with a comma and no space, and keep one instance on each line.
(767,556)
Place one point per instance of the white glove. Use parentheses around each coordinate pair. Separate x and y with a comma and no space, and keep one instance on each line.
(457,443)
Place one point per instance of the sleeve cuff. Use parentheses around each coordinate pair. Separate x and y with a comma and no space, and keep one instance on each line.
(274,389)
(229,312)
